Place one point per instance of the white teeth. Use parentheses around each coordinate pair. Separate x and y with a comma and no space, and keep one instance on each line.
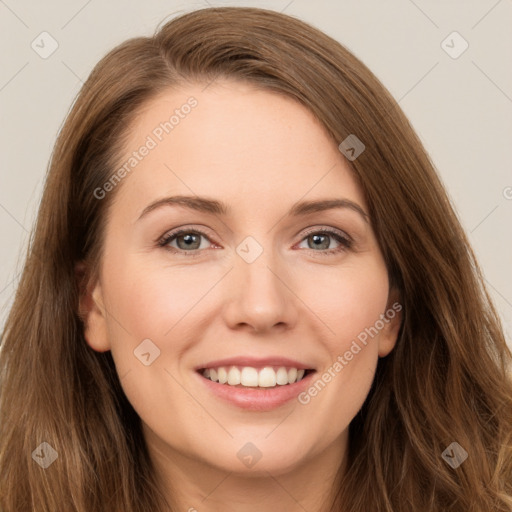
(267,378)
(234,376)
(248,376)
(282,376)
(222,375)
(292,374)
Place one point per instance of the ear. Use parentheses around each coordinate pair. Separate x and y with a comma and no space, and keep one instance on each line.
(92,310)
(388,336)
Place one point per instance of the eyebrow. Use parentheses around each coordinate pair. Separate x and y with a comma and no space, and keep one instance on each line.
(216,207)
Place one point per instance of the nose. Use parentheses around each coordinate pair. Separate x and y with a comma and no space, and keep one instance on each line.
(260,295)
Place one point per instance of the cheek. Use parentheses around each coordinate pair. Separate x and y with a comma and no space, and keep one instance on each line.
(150,300)
(157,304)
(339,390)
(351,304)
(349,300)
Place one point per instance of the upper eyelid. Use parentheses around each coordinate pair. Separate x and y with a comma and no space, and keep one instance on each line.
(328,229)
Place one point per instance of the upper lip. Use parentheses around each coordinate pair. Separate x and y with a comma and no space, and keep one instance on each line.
(255,362)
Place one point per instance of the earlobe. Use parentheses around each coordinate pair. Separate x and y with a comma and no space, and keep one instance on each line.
(92,311)
(392,323)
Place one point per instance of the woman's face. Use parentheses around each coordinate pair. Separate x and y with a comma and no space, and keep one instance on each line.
(271,282)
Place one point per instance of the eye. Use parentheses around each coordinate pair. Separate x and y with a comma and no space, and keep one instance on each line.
(187,240)
(321,239)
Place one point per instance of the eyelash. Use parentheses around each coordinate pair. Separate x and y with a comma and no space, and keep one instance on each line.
(344,241)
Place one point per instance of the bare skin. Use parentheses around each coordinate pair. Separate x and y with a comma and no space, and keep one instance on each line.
(259,153)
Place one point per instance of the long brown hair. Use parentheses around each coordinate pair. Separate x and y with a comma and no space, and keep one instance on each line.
(445,381)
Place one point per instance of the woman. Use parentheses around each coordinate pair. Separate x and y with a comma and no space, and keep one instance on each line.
(247,289)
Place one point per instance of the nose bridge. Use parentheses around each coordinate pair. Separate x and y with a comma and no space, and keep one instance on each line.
(256,268)
(261,297)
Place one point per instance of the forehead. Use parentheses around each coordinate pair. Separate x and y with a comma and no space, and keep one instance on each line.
(234,141)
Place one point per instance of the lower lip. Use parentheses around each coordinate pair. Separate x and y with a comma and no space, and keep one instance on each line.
(257,399)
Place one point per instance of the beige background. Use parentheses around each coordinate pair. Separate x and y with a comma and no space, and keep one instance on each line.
(460,107)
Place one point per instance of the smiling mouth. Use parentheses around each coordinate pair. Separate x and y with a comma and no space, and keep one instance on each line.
(256,378)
